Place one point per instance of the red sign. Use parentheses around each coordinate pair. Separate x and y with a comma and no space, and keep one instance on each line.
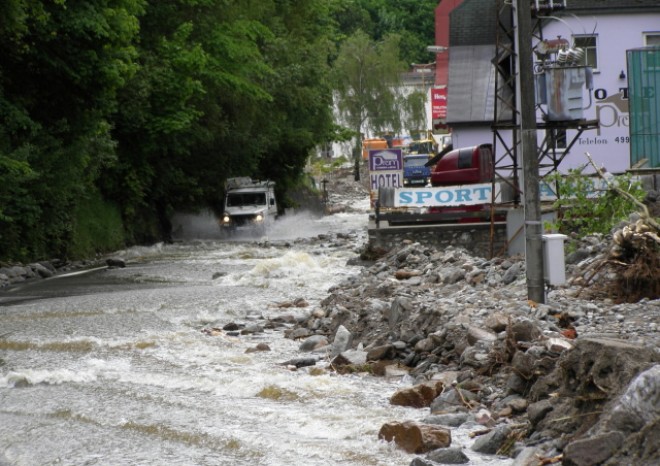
(439,103)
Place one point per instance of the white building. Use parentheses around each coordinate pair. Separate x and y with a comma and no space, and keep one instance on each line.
(603,29)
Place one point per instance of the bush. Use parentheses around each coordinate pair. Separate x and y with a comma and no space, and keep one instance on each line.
(98,228)
(320,167)
(586,205)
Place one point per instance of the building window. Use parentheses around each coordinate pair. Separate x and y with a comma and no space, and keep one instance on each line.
(652,38)
(588,43)
(651,59)
(557,139)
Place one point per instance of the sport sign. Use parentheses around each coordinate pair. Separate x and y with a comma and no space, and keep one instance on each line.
(469,194)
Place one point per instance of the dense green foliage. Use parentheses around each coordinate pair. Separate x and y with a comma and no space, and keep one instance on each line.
(61,65)
(367,77)
(586,205)
(412,20)
(116,113)
(383,38)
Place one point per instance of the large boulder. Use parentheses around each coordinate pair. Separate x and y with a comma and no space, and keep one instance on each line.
(599,411)
(639,405)
(491,442)
(454,400)
(313,343)
(115,262)
(592,451)
(342,341)
(413,437)
(418,396)
(448,456)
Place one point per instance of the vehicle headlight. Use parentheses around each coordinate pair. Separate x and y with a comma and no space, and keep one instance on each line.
(225,219)
(259,218)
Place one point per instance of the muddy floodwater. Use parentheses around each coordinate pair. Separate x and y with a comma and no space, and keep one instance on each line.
(113,367)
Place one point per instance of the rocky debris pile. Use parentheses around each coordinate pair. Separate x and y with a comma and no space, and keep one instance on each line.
(555,381)
(16,273)
(11,274)
(343,192)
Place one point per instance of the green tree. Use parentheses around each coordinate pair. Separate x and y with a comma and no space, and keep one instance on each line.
(224,89)
(586,205)
(61,64)
(184,120)
(299,117)
(415,109)
(412,20)
(367,82)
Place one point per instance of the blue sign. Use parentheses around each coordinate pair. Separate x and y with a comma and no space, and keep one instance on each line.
(385,160)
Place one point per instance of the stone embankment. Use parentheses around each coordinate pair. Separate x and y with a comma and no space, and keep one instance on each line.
(12,274)
(575,380)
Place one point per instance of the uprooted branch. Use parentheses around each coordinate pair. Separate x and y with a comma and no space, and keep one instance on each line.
(635,253)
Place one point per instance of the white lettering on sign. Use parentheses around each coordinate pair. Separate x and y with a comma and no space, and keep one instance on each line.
(446,196)
(385,160)
(385,180)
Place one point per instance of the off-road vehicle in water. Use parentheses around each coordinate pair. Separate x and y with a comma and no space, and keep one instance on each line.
(249,206)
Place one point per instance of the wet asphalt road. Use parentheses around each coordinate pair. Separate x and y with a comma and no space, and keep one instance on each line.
(83,282)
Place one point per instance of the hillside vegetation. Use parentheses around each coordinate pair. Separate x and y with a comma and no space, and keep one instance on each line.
(114,114)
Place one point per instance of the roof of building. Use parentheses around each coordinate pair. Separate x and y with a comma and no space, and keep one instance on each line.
(471,74)
(473,22)
(472,84)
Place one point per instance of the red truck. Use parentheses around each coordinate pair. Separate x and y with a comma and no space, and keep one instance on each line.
(451,168)
(467,165)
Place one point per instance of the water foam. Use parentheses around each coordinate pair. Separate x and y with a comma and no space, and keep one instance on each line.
(47,377)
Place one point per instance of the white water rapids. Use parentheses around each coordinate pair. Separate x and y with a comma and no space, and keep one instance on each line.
(112,368)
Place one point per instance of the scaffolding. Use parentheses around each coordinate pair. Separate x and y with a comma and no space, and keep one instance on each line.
(506,118)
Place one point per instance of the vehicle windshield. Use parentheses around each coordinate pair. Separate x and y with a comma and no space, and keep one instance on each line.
(415,161)
(239,199)
(421,147)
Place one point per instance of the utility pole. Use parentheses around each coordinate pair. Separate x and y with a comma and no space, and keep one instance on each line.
(530,162)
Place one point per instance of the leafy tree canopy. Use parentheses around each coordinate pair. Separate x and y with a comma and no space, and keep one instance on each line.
(61,65)
(412,20)
(138,108)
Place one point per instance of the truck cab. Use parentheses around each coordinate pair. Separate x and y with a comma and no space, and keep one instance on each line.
(373,144)
(415,171)
(467,165)
(249,205)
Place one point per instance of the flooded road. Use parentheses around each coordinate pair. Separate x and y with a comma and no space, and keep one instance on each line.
(113,367)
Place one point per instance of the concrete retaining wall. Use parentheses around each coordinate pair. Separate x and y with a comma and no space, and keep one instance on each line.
(476,237)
